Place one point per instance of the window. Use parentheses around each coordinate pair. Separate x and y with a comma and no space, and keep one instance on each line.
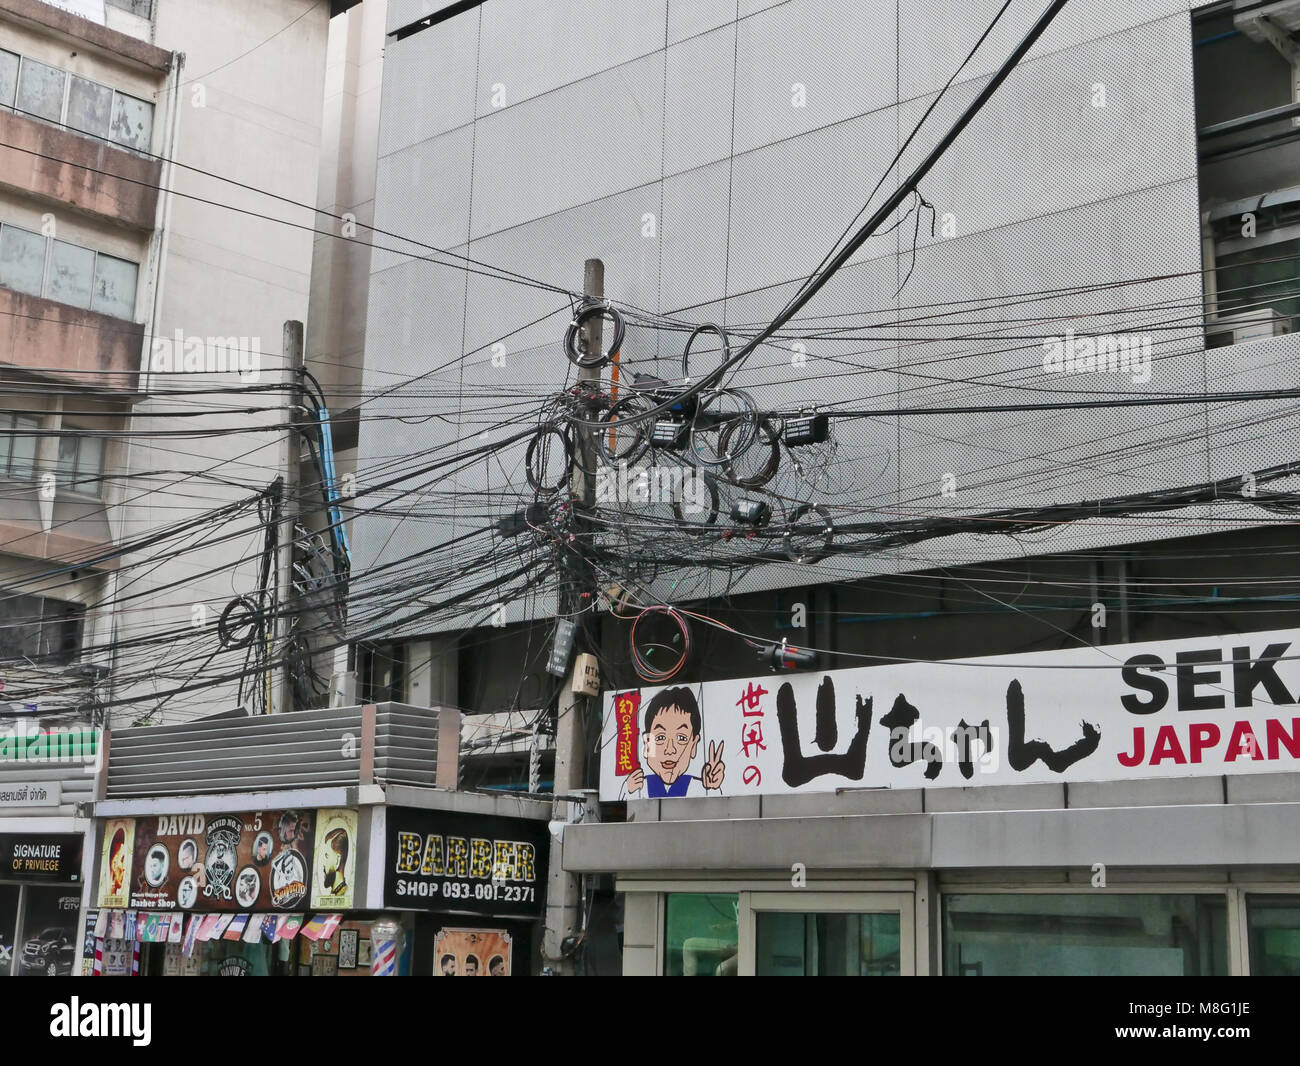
(114,286)
(37,90)
(39,629)
(18,446)
(8,78)
(89,107)
(132,123)
(41,90)
(22,260)
(72,274)
(827,945)
(1048,935)
(1247,109)
(69,273)
(1273,924)
(143,8)
(702,934)
(81,461)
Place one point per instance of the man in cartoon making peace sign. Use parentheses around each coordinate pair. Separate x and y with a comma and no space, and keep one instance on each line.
(672,738)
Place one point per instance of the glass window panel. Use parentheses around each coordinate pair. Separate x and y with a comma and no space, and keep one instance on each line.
(22,260)
(6,440)
(61,632)
(827,945)
(90,106)
(22,459)
(1262,279)
(702,934)
(40,91)
(8,78)
(132,124)
(90,456)
(1033,934)
(8,924)
(72,274)
(67,464)
(114,286)
(1273,924)
(49,947)
(20,625)
(143,8)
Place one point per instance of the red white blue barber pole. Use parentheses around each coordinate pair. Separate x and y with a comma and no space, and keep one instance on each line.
(388,938)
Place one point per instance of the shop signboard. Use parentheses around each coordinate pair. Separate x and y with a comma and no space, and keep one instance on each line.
(464,863)
(1178,708)
(31,794)
(253,861)
(52,857)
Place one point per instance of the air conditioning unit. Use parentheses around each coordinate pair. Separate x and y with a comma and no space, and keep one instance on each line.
(343,689)
(1244,326)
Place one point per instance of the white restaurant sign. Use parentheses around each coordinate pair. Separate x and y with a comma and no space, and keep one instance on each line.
(1175,708)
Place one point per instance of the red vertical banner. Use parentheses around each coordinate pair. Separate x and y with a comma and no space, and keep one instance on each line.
(626,706)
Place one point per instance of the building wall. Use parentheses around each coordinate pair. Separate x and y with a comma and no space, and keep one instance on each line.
(237,91)
(227,274)
(490,148)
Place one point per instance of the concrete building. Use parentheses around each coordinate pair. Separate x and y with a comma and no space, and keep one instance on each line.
(1132,178)
(137,295)
(141,313)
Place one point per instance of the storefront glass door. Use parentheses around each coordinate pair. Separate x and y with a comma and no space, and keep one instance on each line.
(826,945)
(827,934)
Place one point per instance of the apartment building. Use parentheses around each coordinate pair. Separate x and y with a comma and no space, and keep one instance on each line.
(159,162)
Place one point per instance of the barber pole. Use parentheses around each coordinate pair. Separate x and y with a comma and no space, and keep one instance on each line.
(384,963)
(388,938)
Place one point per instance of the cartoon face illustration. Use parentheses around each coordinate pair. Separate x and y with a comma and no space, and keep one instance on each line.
(188,854)
(671,740)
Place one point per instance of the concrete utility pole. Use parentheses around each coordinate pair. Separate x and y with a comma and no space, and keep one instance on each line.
(563,916)
(294,356)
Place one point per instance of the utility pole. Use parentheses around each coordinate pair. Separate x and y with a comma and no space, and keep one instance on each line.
(294,356)
(563,912)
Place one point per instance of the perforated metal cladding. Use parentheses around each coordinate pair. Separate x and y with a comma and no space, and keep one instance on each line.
(675,152)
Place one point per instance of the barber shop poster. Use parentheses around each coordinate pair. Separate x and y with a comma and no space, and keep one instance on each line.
(471,953)
(1178,708)
(256,861)
(336,859)
(115,862)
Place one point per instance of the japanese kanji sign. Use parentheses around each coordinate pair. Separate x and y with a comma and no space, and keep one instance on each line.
(1179,708)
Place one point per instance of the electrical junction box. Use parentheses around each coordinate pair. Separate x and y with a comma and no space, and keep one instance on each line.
(586,676)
